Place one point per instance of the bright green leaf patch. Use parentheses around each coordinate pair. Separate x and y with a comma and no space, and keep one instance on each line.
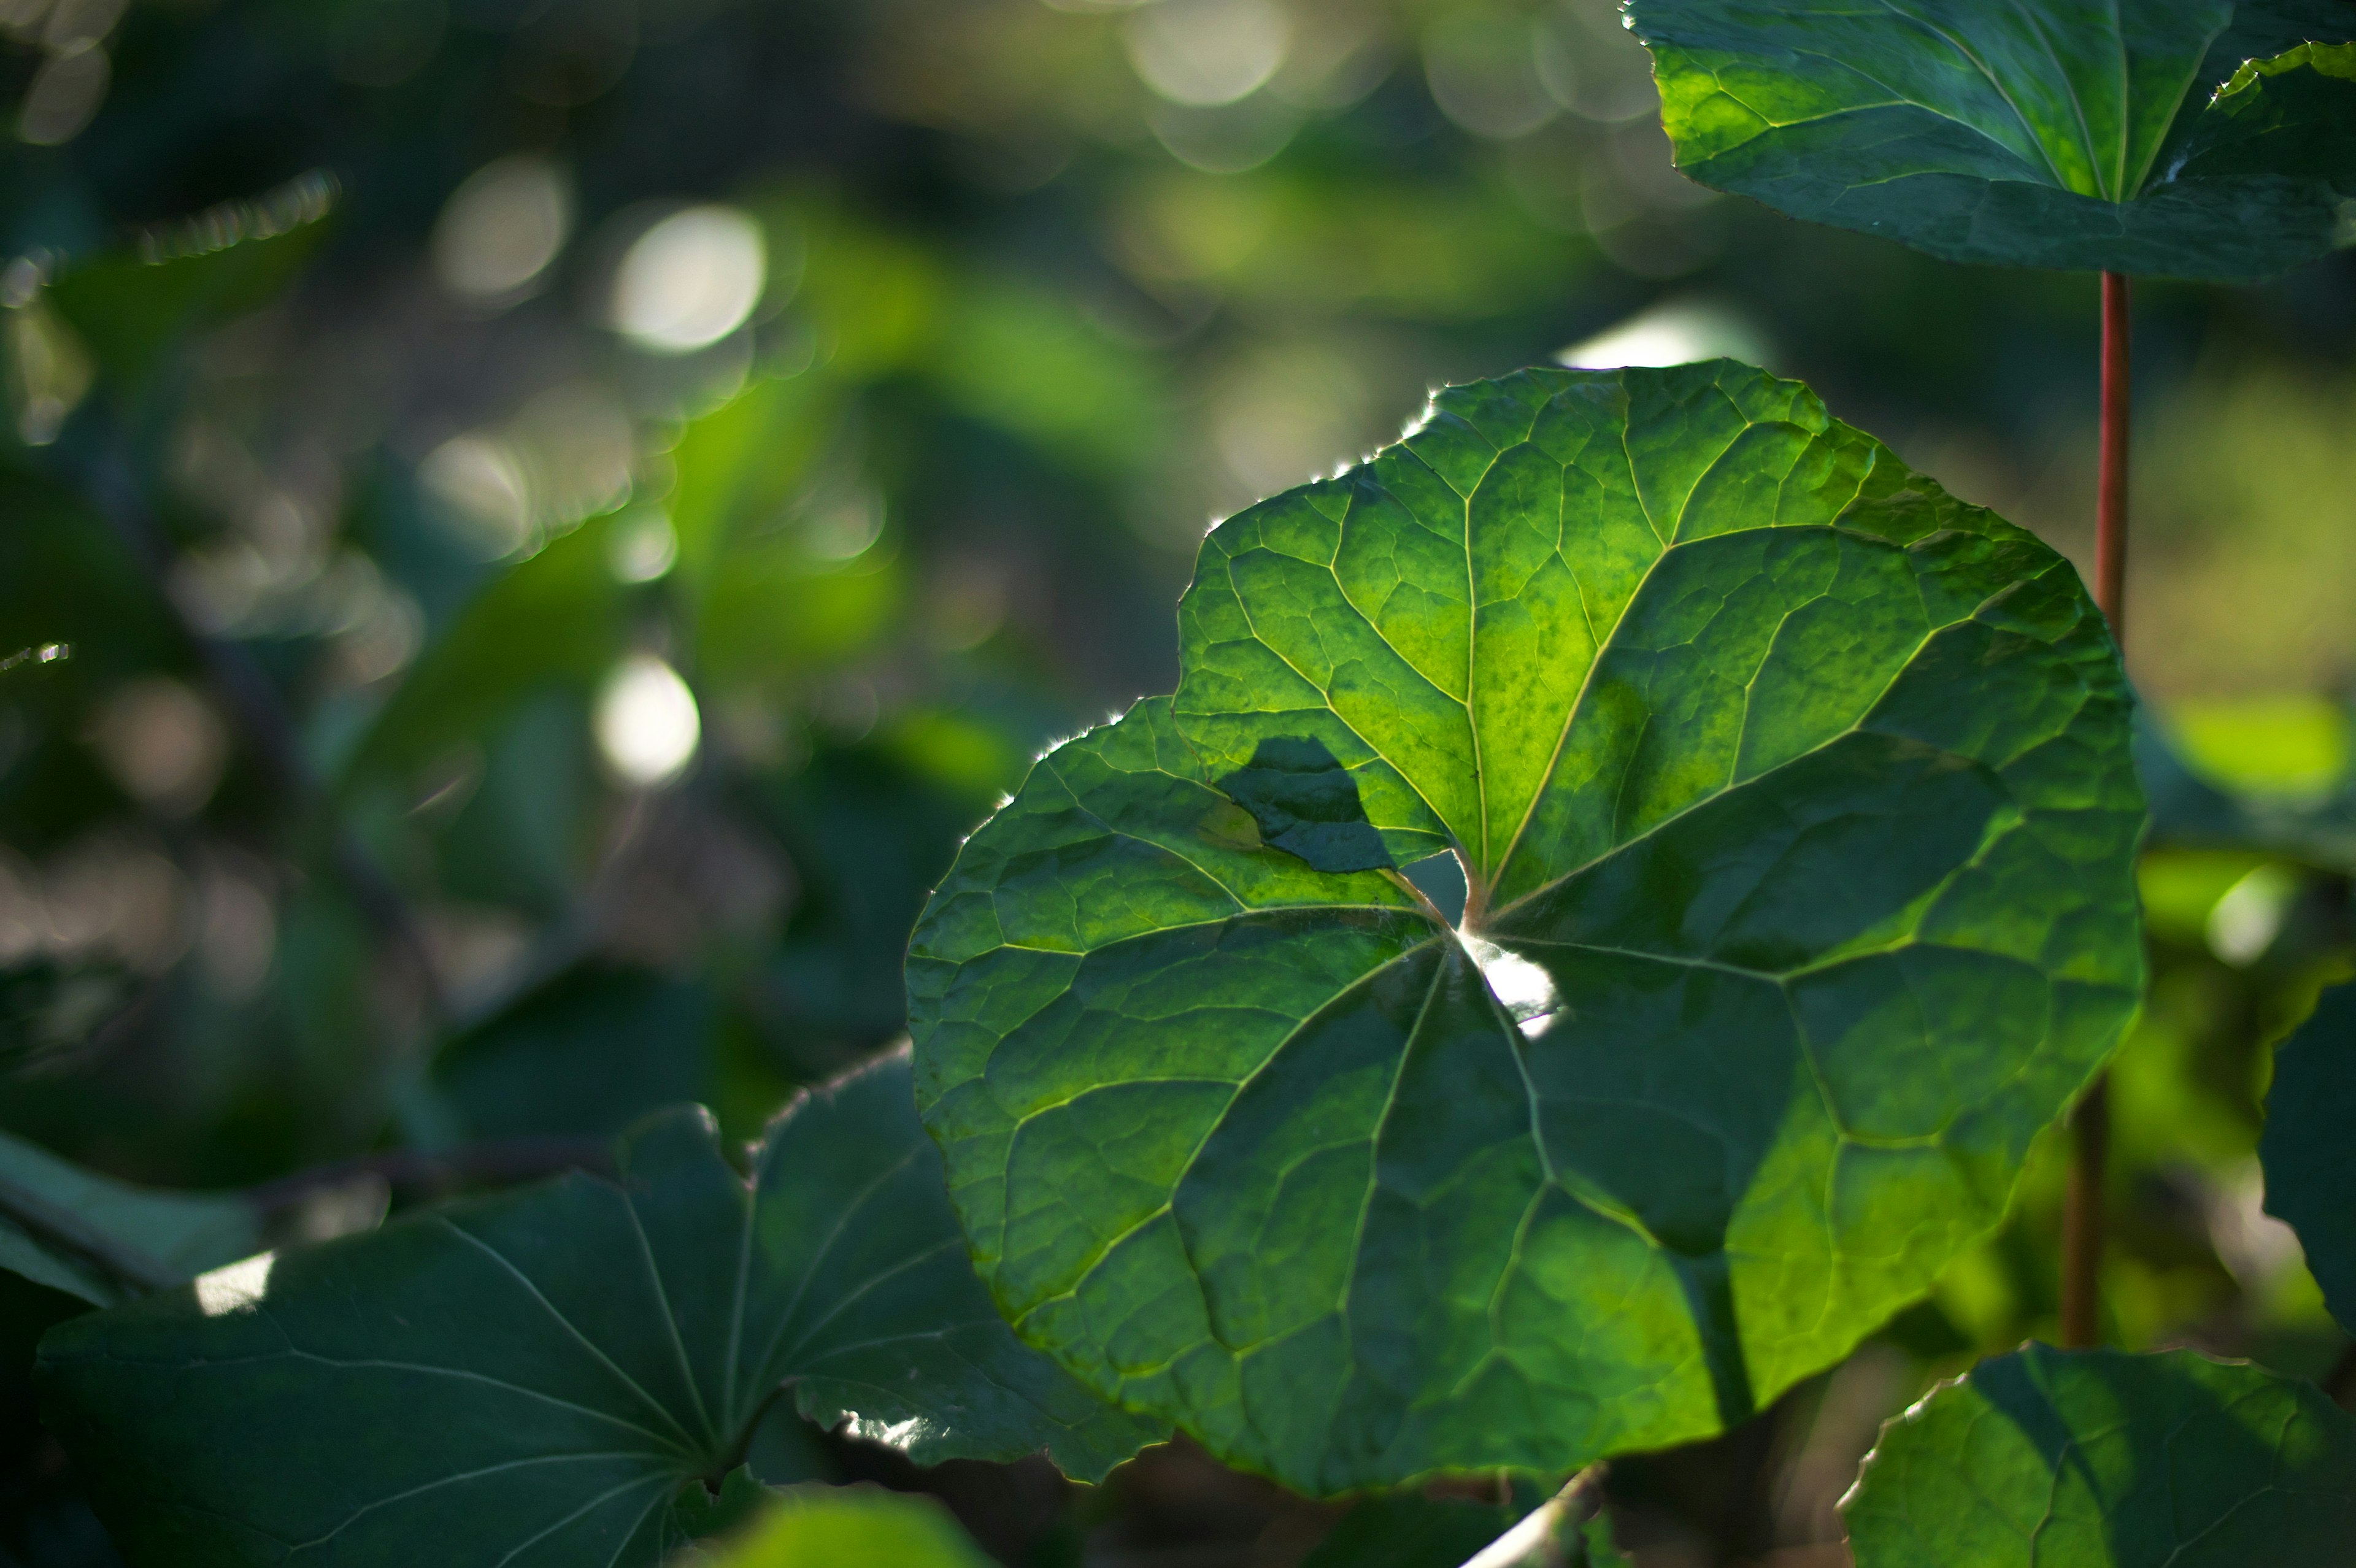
(2051,1458)
(532,1378)
(2184,138)
(1797,813)
(2308,1148)
(805,1526)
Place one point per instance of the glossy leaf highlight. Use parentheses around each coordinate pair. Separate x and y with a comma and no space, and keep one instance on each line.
(2182,138)
(1797,813)
(532,1378)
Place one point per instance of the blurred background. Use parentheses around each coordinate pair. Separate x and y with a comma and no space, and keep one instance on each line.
(529,529)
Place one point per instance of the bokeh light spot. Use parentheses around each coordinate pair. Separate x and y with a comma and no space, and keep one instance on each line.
(1206,52)
(501,229)
(690,279)
(646,722)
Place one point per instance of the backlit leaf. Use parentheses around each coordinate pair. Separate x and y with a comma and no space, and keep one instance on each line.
(532,1378)
(2051,1458)
(1797,813)
(2131,138)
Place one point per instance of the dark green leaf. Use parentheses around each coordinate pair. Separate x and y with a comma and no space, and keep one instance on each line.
(133,309)
(1796,803)
(2308,1150)
(585,1055)
(102,1240)
(553,622)
(530,1378)
(2051,1458)
(2043,133)
(1306,804)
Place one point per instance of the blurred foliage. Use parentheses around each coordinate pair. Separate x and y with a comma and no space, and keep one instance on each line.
(387,385)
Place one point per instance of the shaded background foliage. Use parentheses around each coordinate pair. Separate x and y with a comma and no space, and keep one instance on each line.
(534,526)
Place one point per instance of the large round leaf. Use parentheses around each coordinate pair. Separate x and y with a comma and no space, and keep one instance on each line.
(2185,138)
(531,1378)
(2309,1151)
(2053,1458)
(1795,805)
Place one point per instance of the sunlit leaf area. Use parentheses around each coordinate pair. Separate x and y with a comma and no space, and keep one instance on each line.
(542,541)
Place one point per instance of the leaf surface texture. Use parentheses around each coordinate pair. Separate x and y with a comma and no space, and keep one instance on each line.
(1796,811)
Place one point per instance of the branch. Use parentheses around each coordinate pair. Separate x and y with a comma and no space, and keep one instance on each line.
(502,1160)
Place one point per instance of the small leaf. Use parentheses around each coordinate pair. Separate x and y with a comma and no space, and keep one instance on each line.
(2131,138)
(106,1240)
(2051,1458)
(1306,804)
(853,1527)
(1798,819)
(2308,1148)
(532,1378)
(1602,1547)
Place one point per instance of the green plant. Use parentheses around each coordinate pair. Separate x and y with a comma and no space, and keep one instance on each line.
(1792,803)
(1626,876)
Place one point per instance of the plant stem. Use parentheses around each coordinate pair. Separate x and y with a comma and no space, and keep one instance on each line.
(1544,1538)
(501,1161)
(2090,1125)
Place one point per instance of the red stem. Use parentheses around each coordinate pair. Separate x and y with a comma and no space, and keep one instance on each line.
(2111,497)
(2090,1126)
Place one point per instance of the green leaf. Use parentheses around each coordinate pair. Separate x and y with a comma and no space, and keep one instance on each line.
(227,261)
(2128,137)
(556,622)
(1602,1547)
(530,1378)
(2306,1151)
(2101,1459)
(1797,813)
(852,1525)
(106,1240)
(586,1054)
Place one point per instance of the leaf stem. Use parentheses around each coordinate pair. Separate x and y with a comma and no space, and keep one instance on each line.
(499,1161)
(2090,1125)
(1538,1541)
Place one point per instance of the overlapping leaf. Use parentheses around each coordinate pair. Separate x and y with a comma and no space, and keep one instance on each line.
(2308,1150)
(104,1241)
(1797,809)
(2186,138)
(2050,1459)
(529,1379)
